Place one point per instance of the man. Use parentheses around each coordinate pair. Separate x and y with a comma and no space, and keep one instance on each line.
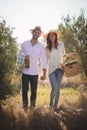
(34,52)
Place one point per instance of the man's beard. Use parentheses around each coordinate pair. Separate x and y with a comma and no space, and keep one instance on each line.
(35,37)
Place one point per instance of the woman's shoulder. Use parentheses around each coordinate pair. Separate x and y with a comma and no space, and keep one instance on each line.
(60,43)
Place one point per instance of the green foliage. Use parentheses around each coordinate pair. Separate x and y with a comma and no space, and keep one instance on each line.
(8,51)
(74,35)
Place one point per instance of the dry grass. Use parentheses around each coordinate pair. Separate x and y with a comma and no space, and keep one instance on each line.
(71,115)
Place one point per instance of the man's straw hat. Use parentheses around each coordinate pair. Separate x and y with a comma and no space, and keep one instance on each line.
(37,28)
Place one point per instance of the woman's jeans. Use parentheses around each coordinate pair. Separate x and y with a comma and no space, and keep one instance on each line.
(29,81)
(55,80)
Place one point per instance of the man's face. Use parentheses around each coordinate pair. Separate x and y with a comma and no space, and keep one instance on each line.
(36,34)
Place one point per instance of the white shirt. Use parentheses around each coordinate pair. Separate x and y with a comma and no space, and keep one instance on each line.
(36,53)
(55,57)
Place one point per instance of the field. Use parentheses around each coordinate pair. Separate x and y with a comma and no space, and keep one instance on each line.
(71,115)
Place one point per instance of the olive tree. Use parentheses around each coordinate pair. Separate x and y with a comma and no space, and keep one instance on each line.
(8,51)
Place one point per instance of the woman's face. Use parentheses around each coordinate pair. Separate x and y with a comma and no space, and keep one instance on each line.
(52,37)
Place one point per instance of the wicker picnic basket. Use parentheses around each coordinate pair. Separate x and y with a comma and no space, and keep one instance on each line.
(71,68)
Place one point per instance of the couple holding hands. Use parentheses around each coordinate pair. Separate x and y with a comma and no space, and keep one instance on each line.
(52,55)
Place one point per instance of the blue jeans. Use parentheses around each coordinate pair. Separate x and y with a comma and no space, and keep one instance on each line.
(55,81)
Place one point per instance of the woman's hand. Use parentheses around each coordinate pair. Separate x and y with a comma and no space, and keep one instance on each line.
(73,54)
(43,77)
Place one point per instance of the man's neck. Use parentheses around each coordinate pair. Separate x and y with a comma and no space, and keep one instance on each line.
(33,41)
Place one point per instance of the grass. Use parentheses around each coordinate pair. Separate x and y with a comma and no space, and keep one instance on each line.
(43,94)
(72,113)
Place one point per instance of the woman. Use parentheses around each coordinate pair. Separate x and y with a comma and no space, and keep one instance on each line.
(55,55)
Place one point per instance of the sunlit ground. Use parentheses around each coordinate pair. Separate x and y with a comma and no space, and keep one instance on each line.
(71,114)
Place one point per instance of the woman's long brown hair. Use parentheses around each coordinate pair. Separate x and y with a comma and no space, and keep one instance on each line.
(49,43)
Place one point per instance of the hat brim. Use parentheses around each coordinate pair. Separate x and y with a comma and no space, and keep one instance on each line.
(45,36)
(31,30)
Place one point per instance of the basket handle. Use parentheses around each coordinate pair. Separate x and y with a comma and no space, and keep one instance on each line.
(69,57)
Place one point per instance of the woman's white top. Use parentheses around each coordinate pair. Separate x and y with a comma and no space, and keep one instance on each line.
(55,57)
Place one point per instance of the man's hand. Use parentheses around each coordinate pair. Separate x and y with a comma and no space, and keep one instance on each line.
(43,77)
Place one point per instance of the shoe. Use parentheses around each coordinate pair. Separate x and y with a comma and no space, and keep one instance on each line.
(51,106)
(25,109)
(55,109)
(32,107)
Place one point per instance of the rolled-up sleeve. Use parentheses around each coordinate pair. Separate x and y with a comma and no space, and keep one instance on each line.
(22,48)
